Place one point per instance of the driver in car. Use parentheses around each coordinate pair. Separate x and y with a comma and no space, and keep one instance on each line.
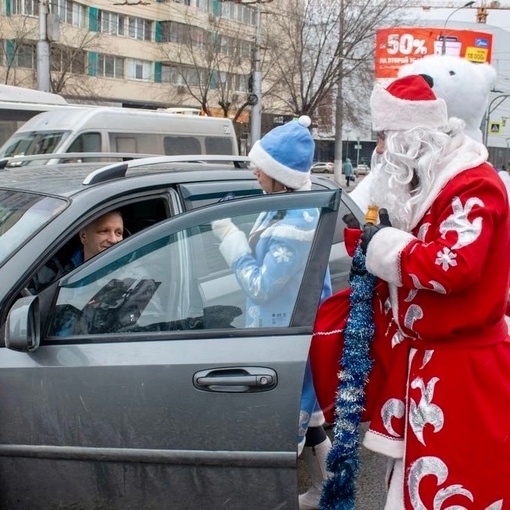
(99,235)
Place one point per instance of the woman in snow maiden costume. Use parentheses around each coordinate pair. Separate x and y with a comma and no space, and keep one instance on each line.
(268,265)
(443,416)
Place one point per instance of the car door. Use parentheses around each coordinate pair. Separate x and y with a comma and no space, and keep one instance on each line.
(141,385)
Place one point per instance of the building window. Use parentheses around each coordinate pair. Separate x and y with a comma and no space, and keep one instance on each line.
(140,28)
(111,23)
(24,56)
(180,33)
(240,82)
(67,60)
(238,12)
(25,7)
(110,66)
(138,69)
(182,75)
(70,12)
(203,5)
(169,74)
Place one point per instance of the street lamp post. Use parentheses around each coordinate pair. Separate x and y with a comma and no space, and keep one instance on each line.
(490,109)
(443,45)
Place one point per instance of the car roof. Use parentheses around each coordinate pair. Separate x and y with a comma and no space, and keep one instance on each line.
(68,179)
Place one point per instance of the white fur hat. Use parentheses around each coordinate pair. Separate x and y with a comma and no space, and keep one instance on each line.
(286,154)
(407,103)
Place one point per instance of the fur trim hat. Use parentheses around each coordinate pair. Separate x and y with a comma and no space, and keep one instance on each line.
(286,154)
(407,103)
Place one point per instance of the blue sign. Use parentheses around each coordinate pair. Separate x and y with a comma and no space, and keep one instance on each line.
(481,43)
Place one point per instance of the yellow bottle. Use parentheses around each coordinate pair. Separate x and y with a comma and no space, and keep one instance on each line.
(372,214)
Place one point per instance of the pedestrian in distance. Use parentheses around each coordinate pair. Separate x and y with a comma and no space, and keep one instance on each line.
(348,171)
(443,414)
(268,264)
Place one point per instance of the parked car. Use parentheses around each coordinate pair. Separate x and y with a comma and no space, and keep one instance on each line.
(361,169)
(325,168)
(176,405)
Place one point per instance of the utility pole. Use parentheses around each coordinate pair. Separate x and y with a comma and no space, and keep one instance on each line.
(43,49)
(256,94)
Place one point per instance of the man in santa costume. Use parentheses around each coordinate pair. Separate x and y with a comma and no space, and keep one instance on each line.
(443,413)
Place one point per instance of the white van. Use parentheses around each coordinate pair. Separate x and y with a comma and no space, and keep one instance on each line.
(124,130)
(18,104)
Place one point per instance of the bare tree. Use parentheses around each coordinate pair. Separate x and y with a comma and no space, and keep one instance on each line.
(326,49)
(68,56)
(321,41)
(68,60)
(18,50)
(210,64)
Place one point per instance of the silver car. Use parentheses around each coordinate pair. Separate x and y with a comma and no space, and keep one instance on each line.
(166,400)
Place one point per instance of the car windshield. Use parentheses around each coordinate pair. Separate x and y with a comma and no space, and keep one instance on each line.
(21,216)
(30,143)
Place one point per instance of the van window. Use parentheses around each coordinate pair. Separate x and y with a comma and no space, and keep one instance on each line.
(181,145)
(34,142)
(86,142)
(125,144)
(218,145)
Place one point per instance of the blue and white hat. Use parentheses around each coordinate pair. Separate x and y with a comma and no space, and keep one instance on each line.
(286,154)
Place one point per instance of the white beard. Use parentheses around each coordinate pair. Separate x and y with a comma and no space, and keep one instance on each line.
(388,192)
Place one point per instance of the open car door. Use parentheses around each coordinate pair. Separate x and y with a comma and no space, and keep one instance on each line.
(136,381)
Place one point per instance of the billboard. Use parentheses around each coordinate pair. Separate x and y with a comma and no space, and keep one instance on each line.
(399,46)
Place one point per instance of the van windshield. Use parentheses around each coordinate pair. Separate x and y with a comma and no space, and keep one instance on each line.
(33,142)
(21,216)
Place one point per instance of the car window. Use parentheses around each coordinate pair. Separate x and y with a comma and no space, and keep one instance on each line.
(349,216)
(137,215)
(199,194)
(21,216)
(175,282)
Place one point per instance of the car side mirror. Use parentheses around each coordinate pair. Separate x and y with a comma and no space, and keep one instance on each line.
(23,326)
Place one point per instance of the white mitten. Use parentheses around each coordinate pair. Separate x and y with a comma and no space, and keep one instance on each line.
(233,241)
(223,228)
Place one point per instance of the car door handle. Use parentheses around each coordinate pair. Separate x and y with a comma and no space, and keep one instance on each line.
(236,379)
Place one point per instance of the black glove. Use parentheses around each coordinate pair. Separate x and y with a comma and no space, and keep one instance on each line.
(369,229)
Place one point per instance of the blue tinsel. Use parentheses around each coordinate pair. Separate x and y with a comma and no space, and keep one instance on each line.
(339,491)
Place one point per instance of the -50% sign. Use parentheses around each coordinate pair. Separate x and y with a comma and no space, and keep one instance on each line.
(405,44)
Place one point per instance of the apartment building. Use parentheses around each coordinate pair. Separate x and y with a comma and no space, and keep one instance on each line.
(136,53)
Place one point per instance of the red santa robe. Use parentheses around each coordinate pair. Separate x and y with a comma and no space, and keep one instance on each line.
(444,412)
(438,396)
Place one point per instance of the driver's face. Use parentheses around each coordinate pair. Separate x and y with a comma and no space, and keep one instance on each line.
(101,234)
